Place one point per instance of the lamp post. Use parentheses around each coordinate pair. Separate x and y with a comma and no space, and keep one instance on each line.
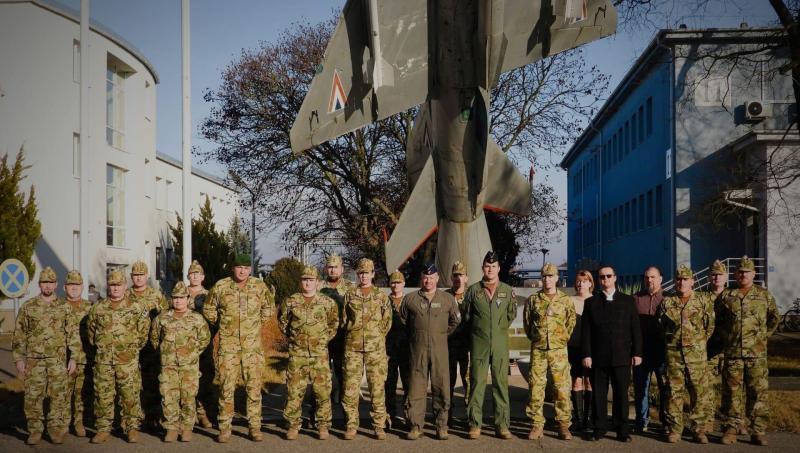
(544,254)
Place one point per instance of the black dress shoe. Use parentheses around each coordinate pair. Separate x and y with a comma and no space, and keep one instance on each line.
(624,438)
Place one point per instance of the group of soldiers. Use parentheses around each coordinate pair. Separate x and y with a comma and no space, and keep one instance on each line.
(135,346)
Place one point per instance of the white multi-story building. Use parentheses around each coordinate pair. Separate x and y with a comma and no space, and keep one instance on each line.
(133,191)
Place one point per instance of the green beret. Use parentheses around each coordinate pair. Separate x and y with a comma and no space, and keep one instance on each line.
(242,259)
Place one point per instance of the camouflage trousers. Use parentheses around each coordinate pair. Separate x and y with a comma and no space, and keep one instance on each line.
(687,374)
(79,390)
(46,378)
(124,380)
(459,366)
(376,365)
(303,370)
(231,368)
(178,386)
(714,394)
(557,362)
(748,376)
(206,393)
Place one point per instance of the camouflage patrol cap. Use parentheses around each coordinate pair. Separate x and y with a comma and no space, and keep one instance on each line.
(718,267)
(365,265)
(195,267)
(549,269)
(333,260)
(48,275)
(309,272)
(683,271)
(74,278)
(459,268)
(746,264)
(139,268)
(242,259)
(179,290)
(397,277)
(116,277)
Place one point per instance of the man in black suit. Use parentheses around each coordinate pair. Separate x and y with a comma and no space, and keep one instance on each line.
(611,343)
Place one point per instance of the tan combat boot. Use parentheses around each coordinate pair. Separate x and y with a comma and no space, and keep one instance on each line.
(700,437)
(474,433)
(563,432)
(34,438)
(292,433)
(204,421)
(186,435)
(503,433)
(350,434)
(171,436)
(58,436)
(100,437)
(673,437)
(80,430)
(729,437)
(441,433)
(536,433)
(323,433)
(224,436)
(380,434)
(413,434)
(758,439)
(133,436)
(255,435)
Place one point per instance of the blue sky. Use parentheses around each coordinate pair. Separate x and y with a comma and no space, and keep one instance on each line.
(221,29)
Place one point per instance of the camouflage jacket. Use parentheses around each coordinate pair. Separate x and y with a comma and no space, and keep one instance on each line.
(117,333)
(151,298)
(688,325)
(366,320)
(44,330)
(197,301)
(337,294)
(79,316)
(309,326)
(179,340)
(459,339)
(549,323)
(397,338)
(744,323)
(239,314)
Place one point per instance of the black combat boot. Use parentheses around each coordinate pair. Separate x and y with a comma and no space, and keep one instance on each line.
(577,410)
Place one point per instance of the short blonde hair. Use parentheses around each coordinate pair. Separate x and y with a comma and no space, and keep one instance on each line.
(584,275)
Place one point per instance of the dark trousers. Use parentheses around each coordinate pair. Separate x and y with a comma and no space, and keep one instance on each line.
(620,377)
(437,367)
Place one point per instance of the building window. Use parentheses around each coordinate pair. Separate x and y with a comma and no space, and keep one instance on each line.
(116,73)
(633,132)
(115,206)
(641,124)
(641,212)
(649,208)
(627,219)
(634,216)
(76,61)
(659,205)
(649,116)
(76,155)
(627,135)
(615,149)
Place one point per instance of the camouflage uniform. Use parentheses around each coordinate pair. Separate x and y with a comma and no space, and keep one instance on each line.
(366,320)
(309,324)
(206,394)
(179,339)
(336,346)
(239,315)
(154,302)
(687,324)
(118,331)
(398,352)
(458,346)
(80,384)
(548,323)
(43,335)
(744,323)
(713,395)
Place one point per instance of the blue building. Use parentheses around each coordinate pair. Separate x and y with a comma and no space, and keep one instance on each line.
(671,169)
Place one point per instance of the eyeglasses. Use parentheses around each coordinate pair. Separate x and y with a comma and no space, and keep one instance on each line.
(604,276)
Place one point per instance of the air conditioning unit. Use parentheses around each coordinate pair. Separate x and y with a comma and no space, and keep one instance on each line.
(757,110)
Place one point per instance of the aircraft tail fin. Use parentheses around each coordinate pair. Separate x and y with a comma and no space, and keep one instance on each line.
(507,190)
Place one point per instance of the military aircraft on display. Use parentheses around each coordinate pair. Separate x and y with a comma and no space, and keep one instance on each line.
(387,56)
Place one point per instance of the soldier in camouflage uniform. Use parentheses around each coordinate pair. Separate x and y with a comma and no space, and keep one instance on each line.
(489,308)
(180,335)
(43,335)
(746,317)
(687,320)
(396,348)
(206,393)
(458,341)
(366,319)
(335,286)
(154,302)
(238,306)
(717,282)
(309,320)
(117,329)
(80,383)
(549,318)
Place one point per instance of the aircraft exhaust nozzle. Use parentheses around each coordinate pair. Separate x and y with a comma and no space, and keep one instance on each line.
(467,242)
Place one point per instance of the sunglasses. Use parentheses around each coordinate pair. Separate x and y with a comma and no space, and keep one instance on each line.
(604,276)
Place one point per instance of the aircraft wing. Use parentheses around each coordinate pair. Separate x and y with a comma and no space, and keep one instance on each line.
(535,29)
(366,76)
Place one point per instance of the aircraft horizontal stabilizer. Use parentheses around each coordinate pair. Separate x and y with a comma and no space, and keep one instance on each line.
(417,222)
(507,190)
